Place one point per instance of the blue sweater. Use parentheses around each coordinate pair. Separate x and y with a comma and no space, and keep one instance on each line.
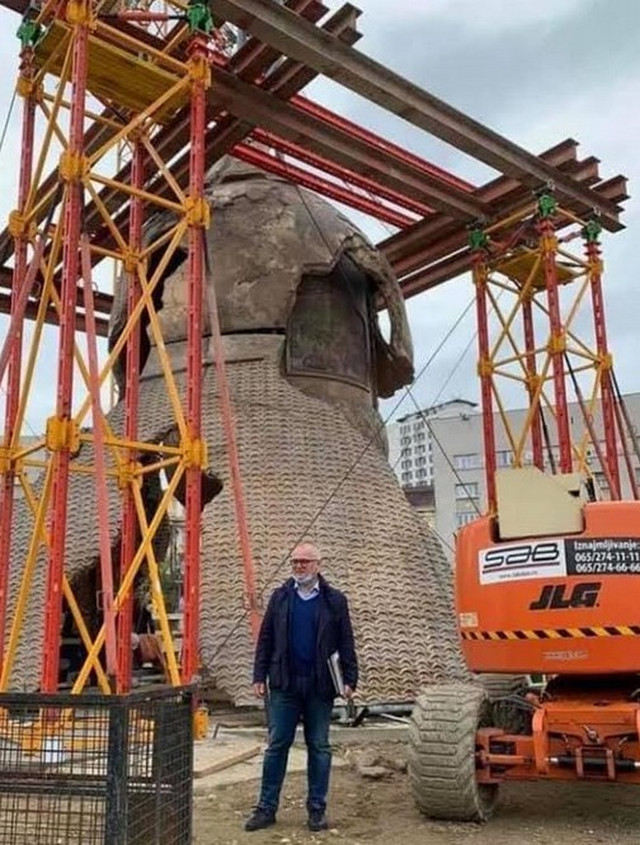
(304,630)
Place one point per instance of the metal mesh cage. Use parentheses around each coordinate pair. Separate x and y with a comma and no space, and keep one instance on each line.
(79,770)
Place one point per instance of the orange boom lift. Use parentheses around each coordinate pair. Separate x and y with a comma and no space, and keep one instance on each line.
(546,581)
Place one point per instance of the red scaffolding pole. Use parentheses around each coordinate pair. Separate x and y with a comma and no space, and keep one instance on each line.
(485,370)
(61,427)
(557,339)
(592,250)
(19,292)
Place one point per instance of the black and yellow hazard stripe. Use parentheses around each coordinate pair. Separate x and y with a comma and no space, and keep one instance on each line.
(555,633)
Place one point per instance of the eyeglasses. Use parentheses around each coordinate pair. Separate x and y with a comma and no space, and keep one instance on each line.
(303,561)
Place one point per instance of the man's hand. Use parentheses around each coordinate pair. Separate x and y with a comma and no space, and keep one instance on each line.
(348,692)
(259,690)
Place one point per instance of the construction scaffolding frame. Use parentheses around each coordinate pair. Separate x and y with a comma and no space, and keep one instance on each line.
(70,56)
(541,324)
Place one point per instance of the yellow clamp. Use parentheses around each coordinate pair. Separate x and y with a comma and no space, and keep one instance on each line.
(485,367)
(548,243)
(596,266)
(61,434)
(196,454)
(557,343)
(27,87)
(78,12)
(200,70)
(606,361)
(19,227)
(130,262)
(197,212)
(533,382)
(129,474)
(5,460)
(73,166)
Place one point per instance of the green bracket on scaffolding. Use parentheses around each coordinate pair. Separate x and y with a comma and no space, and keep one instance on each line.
(29,32)
(478,239)
(547,205)
(591,232)
(199,17)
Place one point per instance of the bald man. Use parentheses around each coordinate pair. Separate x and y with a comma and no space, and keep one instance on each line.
(306,621)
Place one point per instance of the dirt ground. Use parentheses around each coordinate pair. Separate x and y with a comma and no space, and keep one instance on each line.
(364,812)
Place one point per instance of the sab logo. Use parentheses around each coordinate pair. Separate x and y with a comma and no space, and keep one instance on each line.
(552,597)
(522,561)
(526,555)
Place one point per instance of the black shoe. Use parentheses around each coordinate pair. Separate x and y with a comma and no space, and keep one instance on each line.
(317,821)
(260,819)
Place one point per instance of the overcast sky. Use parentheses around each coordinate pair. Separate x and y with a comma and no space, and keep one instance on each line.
(537,72)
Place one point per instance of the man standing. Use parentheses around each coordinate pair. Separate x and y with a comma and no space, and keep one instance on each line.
(306,621)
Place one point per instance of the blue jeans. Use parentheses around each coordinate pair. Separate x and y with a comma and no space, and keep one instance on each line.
(285,710)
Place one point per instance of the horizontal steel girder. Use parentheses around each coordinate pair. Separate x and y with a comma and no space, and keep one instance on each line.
(444,258)
(281,28)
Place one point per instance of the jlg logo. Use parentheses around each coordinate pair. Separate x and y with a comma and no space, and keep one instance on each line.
(526,560)
(553,597)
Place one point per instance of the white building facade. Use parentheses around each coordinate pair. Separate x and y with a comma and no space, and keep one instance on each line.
(458,461)
(411,444)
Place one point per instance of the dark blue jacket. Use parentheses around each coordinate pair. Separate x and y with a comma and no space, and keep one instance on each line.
(273,658)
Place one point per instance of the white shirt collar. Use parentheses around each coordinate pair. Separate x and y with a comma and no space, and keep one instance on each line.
(310,594)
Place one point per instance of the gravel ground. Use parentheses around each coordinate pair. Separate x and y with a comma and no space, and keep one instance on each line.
(363,811)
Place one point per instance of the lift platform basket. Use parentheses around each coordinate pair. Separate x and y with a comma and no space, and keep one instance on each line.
(96,769)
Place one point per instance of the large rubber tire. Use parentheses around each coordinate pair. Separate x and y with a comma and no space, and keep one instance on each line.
(506,715)
(442,748)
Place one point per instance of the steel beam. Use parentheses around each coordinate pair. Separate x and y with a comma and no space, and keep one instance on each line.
(459,262)
(450,236)
(407,249)
(300,126)
(293,36)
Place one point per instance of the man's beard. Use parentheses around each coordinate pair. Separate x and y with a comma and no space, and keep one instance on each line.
(305,580)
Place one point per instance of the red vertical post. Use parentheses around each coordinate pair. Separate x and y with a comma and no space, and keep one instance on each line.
(557,339)
(129,533)
(592,249)
(197,223)
(485,367)
(532,380)
(60,429)
(19,280)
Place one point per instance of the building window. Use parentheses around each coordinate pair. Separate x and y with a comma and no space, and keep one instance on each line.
(471,461)
(420,450)
(467,491)
(406,464)
(422,473)
(417,426)
(420,436)
(503,458)
(405,441)
(421,462)
(465,518)
(405,477)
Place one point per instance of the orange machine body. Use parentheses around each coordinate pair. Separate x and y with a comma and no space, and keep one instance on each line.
(552,605)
